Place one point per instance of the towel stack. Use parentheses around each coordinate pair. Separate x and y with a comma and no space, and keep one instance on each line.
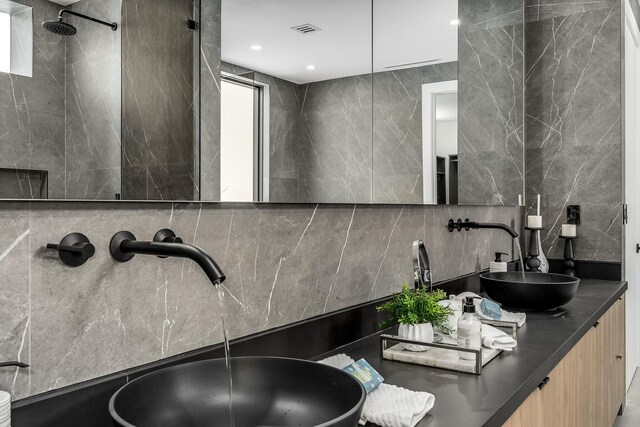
(388,405)
(5,409)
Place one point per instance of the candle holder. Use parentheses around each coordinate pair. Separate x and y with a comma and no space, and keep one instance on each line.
(569,265)
(533,262)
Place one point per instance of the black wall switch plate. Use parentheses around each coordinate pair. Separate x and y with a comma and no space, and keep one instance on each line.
(573,214)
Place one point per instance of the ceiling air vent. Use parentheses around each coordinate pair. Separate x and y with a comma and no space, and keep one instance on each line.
(305,29)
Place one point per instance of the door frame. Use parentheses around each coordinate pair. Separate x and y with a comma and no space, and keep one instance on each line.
(429,92)
(631,163)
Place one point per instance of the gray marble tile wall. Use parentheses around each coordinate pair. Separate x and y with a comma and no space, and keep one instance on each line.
(284,263)
(335,137)
(93,103)
(397,131)
(490,102)
(32,109)
(210,60)
(23,184)
(158,144)
(574,133)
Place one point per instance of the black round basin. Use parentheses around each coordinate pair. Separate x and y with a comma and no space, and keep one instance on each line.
(267,391)
(538,291)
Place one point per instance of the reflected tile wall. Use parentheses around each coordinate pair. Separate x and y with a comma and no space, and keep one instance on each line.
(490,102)
(157,88)
(397,133)
(93,103)
(23,184)
(335,137)
(574,131)
(210,43)
(32,113)
(284,263)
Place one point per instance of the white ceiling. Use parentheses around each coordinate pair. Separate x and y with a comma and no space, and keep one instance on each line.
(405,31)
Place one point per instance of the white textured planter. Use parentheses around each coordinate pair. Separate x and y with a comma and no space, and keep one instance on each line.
(421,332)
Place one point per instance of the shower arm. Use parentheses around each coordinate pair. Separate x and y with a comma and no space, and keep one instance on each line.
(113,25)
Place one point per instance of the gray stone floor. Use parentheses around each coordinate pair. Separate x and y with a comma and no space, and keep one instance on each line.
(631,416)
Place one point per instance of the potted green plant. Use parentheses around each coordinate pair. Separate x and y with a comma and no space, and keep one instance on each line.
(417,312)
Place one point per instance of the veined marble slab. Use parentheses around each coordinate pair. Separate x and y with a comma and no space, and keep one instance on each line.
(438,358)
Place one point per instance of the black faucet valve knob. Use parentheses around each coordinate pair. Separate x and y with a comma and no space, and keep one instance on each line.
(166,236)
(74,249)
(115,249)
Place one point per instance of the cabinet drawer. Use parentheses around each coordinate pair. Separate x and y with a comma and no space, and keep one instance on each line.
(610,329)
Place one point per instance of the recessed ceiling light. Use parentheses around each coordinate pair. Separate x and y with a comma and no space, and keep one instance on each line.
(311,67)
(256,47)
(455,22)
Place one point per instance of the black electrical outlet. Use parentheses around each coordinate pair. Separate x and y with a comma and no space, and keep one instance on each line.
(573,214)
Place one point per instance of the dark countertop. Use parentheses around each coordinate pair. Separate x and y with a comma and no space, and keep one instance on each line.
(489,399)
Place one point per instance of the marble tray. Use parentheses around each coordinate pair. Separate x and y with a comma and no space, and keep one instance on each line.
(442,354)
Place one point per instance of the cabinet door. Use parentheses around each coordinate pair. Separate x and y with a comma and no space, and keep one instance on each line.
(580,384)
(529,414)
(568,399)
(615,390)
(586,388)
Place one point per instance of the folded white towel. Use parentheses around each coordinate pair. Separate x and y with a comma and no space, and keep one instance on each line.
(391,406)
(388,405)
(507,316)
(495,338)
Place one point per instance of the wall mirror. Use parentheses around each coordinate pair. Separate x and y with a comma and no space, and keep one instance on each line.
(293,101)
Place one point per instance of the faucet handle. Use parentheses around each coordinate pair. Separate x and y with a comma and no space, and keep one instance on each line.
(74,249)
(166,236)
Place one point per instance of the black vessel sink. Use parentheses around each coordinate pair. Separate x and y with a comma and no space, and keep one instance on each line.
(538,291)
(267,391)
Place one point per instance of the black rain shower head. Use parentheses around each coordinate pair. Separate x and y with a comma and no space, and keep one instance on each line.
(59,27)
(62,28)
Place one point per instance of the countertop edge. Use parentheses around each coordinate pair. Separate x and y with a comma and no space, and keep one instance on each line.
(523,392)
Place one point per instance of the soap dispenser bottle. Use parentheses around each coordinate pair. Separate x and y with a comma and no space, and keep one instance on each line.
(498,265)
(469,330)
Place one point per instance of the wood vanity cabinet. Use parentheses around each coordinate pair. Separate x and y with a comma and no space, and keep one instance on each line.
(587,387)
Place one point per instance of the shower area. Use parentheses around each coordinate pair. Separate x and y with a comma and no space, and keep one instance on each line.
(129,81)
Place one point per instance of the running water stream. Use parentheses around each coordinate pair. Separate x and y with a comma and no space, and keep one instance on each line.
(227,353)
(519,249)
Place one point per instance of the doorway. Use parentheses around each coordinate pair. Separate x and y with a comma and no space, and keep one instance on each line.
(244,142)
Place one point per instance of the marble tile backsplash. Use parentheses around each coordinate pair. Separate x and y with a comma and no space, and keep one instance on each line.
(490,102)
(284,263)
(574,128)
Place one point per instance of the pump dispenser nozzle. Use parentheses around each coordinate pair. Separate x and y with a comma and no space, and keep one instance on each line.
(499,256)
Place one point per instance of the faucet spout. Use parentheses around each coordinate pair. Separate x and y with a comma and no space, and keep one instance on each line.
(124,246)
(421,266)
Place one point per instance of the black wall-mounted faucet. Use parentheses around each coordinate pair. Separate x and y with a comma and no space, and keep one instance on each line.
(13,364)
(467,225)
(165,244)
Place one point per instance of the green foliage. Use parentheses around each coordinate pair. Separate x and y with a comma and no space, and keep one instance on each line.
(414,307)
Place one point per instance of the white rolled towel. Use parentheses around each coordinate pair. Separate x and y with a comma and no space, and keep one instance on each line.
(388,405)
(497,339)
